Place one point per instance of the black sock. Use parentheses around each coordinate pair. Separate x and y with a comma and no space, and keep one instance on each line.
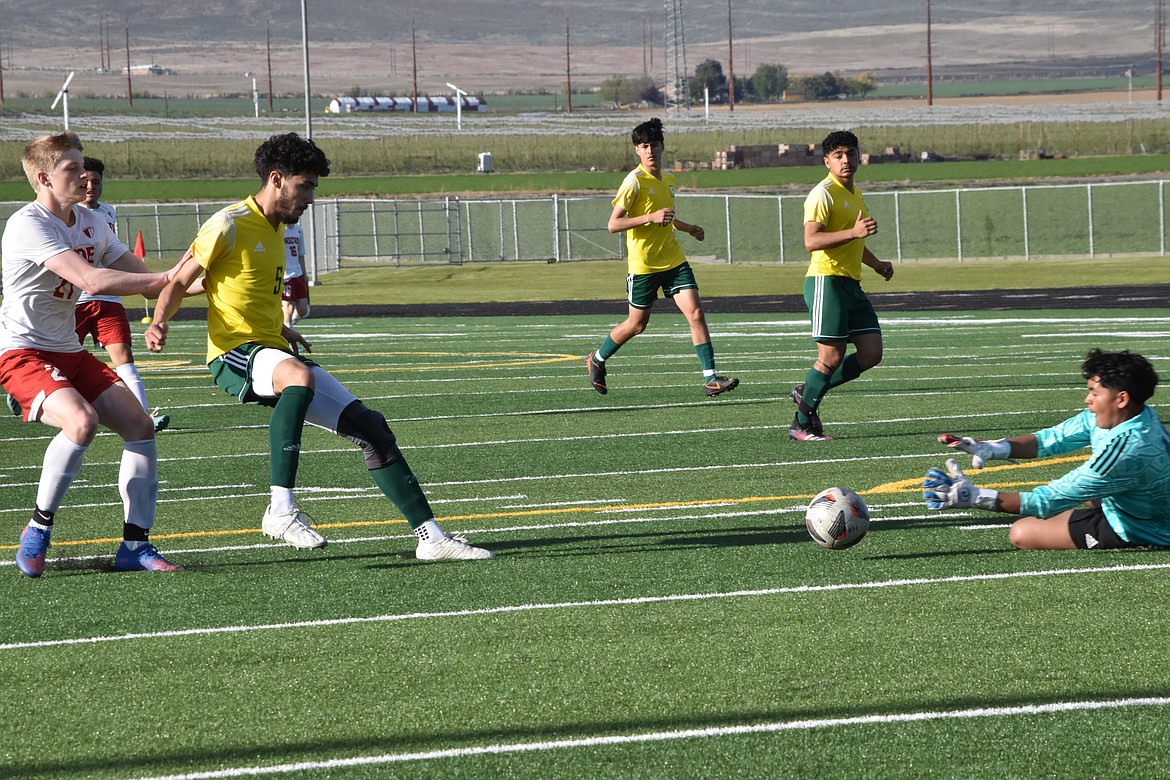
(134,533)
(43,517)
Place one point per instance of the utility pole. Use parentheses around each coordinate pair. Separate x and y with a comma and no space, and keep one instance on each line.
(730,65)
(414,67)
(268,49)
(929,63)
(1159,42)
(678,91)
(644,65)
(129,85)
(308,108)
(568,72)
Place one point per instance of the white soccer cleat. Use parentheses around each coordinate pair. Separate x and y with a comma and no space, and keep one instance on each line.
(291,527)
(451,547)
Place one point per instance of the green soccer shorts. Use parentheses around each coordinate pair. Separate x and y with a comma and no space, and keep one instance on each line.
(232,373)
(838,308)
(642,289)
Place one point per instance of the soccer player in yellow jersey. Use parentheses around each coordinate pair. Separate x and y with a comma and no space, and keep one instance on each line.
(836,224)
(241,254)
(644,209)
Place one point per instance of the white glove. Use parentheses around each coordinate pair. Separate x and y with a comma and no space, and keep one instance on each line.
(980,451)
(953,490)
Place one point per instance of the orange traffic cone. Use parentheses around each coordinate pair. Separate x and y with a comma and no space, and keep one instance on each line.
(140,246)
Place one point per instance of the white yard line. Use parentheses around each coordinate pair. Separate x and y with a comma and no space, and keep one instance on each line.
(567,605)
(513,748)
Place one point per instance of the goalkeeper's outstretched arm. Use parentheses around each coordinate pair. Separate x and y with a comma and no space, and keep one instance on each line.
(952,489)
(1021,447)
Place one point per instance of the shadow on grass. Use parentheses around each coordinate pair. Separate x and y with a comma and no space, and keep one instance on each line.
(601,544)
(254,753)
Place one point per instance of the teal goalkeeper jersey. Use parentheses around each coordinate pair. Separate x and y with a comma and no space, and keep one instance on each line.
(1128,471)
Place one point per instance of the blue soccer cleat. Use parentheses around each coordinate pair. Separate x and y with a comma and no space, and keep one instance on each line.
(145,558)
(30,555)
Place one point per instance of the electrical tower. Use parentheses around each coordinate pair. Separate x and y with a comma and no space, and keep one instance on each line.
(677,90)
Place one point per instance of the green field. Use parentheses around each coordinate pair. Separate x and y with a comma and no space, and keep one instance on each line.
(421,156)
(605,280)
(888,176)
(656,608)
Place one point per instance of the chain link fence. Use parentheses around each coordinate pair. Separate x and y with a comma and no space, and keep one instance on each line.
(1075,220)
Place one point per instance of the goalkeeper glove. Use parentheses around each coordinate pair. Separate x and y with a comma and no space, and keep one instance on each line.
(980,451)
(951,489)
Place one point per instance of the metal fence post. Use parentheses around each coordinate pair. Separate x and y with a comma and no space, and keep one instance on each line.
(158,232)
(780,224)
(898,225)
(374,227)
(515,234)
(1027,243)
(727,224)
(1089,204)
(556,227)
(958,226)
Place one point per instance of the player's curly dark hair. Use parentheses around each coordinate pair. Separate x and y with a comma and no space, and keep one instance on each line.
(837,139)
(291,155)
(94,164)
(1122,370)
(648,132)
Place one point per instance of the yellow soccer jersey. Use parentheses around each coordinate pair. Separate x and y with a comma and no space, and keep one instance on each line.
(243,257)
(650,248)
(836,208)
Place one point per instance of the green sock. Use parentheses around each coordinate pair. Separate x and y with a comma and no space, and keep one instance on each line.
(816,385)
(706,354)
(398,483)
(284,434)
(849,370)
(607,348)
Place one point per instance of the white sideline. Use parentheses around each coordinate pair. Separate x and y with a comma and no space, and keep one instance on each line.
(518,608)
(664,736)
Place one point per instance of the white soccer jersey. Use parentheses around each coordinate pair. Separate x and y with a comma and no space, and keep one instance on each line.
(294,250)
(110,215)
(37,312)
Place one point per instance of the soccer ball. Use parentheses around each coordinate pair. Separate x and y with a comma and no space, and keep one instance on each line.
(837,518)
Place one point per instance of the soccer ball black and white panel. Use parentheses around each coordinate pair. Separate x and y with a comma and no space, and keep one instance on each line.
(837,518)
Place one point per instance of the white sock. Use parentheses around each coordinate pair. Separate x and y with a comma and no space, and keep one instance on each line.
(138,482)
(282,499)
(62,463)
(709,373)
(128,373)
(429,532)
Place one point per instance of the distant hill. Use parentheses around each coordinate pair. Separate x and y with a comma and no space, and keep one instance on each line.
(215,47)
(539,22)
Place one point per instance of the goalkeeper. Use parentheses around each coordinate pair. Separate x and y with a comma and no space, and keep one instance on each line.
(1120,497)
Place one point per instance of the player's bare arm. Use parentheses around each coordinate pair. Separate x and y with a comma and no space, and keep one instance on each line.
(130,263)
(183,276)
(295,339)
(619,221)
(884,269)
(694,231)
(71,267)
(816,237)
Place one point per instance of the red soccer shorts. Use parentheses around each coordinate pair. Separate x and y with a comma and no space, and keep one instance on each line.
(32,375)
(105,321)
(295,289)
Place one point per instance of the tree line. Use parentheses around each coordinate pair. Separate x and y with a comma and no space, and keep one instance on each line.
(770,83)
